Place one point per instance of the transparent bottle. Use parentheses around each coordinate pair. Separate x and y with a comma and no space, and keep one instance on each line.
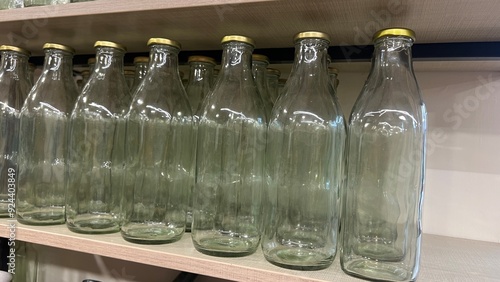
(386,165)
(273,76)
(305,148)
(96,146)
(160,147)
(259,65)
(200,80)
(141,67)
(281,85)
(334,73)
(14,88)
(11,4)
(43,140)
(129,78)
(230,158)
(26,264)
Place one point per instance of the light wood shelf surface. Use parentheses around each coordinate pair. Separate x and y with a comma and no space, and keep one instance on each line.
(200,24)
(443,258)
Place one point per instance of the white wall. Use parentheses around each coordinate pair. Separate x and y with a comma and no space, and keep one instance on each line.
(462,193)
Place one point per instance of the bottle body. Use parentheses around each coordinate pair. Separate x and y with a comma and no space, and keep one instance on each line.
(386,163)
(230,160)
(43,142)
(96,148)
(160,154)
(14,88)
(304,161)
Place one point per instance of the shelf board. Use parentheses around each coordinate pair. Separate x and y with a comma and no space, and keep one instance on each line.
(200,24)
(443,258)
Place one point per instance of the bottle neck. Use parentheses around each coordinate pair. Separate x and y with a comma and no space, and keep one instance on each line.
(392,57)
(236,62)
(259,73)
(140,71)
(109,60)
(15,64)
(311,60)
(200,73)
(164,60)
(58,65)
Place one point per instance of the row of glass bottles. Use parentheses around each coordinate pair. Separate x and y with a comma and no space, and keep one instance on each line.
(14,4)
(272,179)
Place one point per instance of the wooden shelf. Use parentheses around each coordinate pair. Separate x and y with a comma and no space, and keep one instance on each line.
(443,258)
(200,24)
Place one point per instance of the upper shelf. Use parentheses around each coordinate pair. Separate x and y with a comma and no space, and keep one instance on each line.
(200,24)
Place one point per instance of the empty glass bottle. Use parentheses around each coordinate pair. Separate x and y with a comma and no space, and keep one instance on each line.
(305,149)
(14,88)
(26,264)
(386,165)
(230,158)
(11,4)
(96,146)
(334,73)
(200,80)
(273,76)
(259,65)
(160,147)
(141,68)
(43,140)
(129,78)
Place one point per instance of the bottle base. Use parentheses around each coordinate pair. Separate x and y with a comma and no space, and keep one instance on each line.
(42,216)
(377,271)
(299,259)
(86,224)
(226,247)
(151,235)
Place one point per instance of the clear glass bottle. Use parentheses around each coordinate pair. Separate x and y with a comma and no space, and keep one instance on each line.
(200,80)
(43,140)
(273,76)
(96,146)
(26,269)
(386,165)
(11,4)
(141,67)
(230,158)
(14,88)
(305,148)
(259,65)
(160,146)
(334,73)
(129,78)
(281,85)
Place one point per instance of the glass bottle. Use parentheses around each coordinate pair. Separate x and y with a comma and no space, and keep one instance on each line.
(96,146)
(273,76)
(160,152)
(214,77)
(11,4)
(31,73)
(281,85)
(129,78)
(305,148)
(334,73)
(141,68)
(386,165)
(259,65)
(43,140)
(230,158)
(14,88)
(91,63)
(26,269)
(85,78)
(200,79)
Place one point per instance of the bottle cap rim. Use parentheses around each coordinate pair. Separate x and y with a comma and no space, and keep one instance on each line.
(110,44)
(59,47)
(260,58)
(311,34)
(164,41)
(395,31)
(202,59)
(333,70)
(15,49)
(273,71)
(141,59)
(238,38)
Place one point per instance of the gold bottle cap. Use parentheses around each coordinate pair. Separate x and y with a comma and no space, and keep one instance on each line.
(59,47)
(129,72)
(333,70)
(238,38)
(141,60)
(164,41)
(396,31)
(202,59)
(311,34)
(273,71)
(260,58)
(15,49)
(110,44)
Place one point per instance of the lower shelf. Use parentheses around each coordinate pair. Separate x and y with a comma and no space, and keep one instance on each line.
(443,258)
